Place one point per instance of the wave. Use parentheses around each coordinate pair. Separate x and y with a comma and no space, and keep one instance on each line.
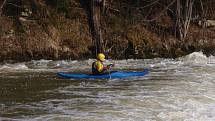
(16,66)
(198,58)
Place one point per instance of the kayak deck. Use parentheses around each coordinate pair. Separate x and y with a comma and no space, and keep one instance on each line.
(114,74)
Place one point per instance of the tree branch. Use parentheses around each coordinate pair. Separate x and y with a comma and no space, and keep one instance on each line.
(161,13)
(2,6)
(167,8)
(14,5)
(149,4)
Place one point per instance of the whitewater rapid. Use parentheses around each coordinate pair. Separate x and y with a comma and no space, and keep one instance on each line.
(175,89)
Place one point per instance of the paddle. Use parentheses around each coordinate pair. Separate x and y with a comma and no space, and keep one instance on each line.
(109,67)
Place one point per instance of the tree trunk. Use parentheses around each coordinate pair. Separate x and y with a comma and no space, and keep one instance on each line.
(95,8)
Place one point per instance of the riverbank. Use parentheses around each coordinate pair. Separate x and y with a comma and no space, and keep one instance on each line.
(42,30)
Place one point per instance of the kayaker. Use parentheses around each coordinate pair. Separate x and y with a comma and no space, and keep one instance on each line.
(98,66)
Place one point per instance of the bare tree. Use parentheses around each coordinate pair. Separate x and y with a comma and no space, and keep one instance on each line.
(184,11)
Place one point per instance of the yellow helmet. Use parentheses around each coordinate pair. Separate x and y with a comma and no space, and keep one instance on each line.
(101,56)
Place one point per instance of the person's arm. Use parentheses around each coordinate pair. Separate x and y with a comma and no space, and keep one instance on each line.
(108,66)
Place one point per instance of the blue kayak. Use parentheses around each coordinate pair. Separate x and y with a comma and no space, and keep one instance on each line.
(114,74)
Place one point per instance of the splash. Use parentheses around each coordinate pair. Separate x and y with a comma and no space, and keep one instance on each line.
(197,58)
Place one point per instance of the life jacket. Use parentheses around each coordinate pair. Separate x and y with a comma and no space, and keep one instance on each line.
(95,69)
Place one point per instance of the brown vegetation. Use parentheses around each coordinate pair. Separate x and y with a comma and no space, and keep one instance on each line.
(48,29)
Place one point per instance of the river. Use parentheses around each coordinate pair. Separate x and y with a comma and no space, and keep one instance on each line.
(174,90)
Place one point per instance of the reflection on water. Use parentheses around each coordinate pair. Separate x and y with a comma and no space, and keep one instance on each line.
(174,90)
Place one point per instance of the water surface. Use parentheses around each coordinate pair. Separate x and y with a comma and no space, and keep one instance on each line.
(175,89)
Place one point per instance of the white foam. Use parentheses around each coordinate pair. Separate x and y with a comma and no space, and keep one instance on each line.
(17,66)
(195,58)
